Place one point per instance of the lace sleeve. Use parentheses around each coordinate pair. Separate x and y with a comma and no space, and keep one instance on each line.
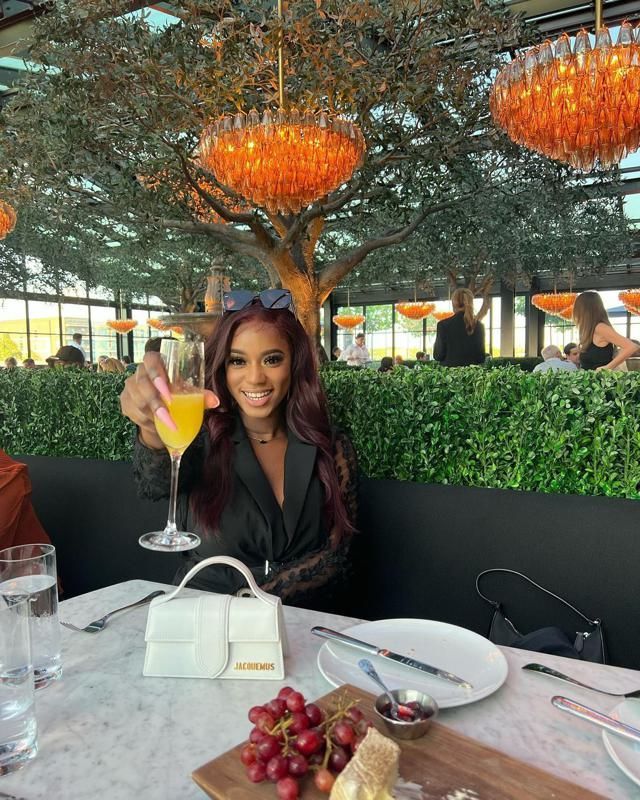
(317,580)
(152,469)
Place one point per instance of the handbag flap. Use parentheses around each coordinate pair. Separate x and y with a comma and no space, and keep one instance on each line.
(201,622)
(252,620)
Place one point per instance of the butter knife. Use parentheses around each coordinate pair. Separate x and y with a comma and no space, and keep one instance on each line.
(372,649)
(596,718)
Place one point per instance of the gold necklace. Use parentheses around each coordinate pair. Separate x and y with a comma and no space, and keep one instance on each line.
(260,440)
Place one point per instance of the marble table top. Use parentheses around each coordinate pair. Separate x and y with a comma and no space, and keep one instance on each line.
(107,732)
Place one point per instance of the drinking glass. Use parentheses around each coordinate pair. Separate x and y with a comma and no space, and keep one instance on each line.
(30,569)
(18,729)
(184,363)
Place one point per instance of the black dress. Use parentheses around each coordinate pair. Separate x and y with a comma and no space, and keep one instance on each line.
(454,347)
(288,549)
(595,356)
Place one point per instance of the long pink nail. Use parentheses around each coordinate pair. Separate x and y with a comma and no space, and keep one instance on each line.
(163,387)
(165,417)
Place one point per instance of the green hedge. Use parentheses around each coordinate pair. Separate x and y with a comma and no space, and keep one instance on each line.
(575,433)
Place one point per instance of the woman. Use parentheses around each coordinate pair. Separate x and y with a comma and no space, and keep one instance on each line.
(460,338)
(386,364)
(267,481)
(598,340)
(110,365)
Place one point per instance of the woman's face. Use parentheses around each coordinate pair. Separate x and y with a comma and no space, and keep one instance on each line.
(258,369)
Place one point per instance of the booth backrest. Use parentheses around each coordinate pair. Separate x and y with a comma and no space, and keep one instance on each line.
(417,555)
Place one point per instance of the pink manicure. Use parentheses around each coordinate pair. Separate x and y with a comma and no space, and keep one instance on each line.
(163,387)
(165,417)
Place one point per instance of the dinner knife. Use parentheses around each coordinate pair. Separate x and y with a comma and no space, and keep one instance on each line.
(372,649)
(596,718)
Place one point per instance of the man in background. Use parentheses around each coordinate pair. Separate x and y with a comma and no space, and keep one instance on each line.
(553,360)
(572,353)
(356,354)
(10,363)
(29,363)
(76,341)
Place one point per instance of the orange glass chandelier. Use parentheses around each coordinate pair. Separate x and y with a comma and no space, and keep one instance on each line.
(282,161)
(8,219)
(566,314)
(553,302)
(415,310)
(440,315)
(122,325)
(630,298)
(348,321)
(157,324)
(572,102)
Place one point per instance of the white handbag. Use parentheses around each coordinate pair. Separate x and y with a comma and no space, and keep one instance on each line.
(216,635)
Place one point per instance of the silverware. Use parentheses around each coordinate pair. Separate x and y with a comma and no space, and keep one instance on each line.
(552,673)
(372,649)
(367,667)
(596,718)
(99,624)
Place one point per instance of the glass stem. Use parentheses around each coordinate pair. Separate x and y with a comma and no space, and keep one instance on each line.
(171,529)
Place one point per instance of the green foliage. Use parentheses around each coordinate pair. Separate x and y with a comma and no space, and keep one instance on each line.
(63,412)
(569,433)
(501,428)
(527,363)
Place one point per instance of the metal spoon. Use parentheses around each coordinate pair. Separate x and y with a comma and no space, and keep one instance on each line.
(540,668)
(397,710)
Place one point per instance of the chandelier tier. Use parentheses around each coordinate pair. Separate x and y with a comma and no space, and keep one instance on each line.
(566,314)
(440,315)
(630,298)
(415,310)
(8,219)
(553,302)
(122,325)
(573,102)
(348,321)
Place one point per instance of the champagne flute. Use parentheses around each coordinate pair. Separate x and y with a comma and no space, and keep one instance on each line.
(184,363)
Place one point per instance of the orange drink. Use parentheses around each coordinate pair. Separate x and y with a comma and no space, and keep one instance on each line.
(187,411)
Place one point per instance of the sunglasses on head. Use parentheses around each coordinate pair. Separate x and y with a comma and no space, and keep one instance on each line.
(269,298)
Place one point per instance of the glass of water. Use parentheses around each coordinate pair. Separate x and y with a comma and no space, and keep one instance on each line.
(30,569)
(18,730)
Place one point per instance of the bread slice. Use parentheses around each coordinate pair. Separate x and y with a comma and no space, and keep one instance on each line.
(372,772)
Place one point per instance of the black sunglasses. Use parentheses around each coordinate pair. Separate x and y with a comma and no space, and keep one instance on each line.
(269,298)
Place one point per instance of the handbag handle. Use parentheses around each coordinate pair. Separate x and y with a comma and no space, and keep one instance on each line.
(497,605)
(271,599)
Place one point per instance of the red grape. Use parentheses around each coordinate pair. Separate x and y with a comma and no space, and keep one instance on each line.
(300,722)
(267,748)
(343,733)
(284,692)
(254,712)
(324,780)
(295,702)
(338,759)
(298,765)
(248,754)
(277,767)
(362,727)
(265,722)
(276,708)
(287,789)
(314,713)
(256,772)
(309,742)
(255,736)
(354,714)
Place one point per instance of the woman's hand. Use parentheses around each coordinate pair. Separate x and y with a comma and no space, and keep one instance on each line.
(146,395)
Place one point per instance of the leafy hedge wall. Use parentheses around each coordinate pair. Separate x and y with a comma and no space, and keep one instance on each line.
(575,433)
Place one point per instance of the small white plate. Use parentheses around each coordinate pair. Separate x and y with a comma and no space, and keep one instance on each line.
(464,653)
(624,752)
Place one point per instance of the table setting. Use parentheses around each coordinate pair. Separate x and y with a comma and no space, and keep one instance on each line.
(104,729)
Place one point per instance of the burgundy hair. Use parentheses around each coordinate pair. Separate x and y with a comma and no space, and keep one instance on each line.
(306,417)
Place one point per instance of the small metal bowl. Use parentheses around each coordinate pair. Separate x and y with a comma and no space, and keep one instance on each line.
(407,730)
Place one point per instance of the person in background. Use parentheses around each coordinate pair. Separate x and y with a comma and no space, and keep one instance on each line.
(399,362)
(29,363)
(598,339)
(572,353)
(154,344)
(421,358)
(10,363)
(110,365)
(553,360)
(356,354)
(460,338)
(18,521)
(76,341)
(335,353)
(67,356)
(386,364)
(126,360)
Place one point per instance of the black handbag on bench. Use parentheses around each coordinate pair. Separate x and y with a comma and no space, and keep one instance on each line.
(588,644)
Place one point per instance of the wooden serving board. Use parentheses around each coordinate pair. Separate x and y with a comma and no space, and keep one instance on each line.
(445,763)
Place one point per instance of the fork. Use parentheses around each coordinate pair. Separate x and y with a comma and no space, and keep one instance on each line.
(560,676)
(99,624)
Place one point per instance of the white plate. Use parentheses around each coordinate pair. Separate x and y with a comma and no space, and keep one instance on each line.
(624,752)
(457,650)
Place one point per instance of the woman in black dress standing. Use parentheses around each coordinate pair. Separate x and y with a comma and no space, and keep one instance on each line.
(460,338)
(598,339)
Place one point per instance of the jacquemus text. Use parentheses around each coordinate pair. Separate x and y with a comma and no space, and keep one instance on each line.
(265,666)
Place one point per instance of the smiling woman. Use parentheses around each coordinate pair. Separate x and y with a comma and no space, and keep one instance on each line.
(268,481)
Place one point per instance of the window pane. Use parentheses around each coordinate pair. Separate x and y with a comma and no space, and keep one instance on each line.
(494,341)
(408,336)
(520,327)
(75,319)
(140,333)
(13,330)
(347,337)
(379,336)
(44,325)
(103,339)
